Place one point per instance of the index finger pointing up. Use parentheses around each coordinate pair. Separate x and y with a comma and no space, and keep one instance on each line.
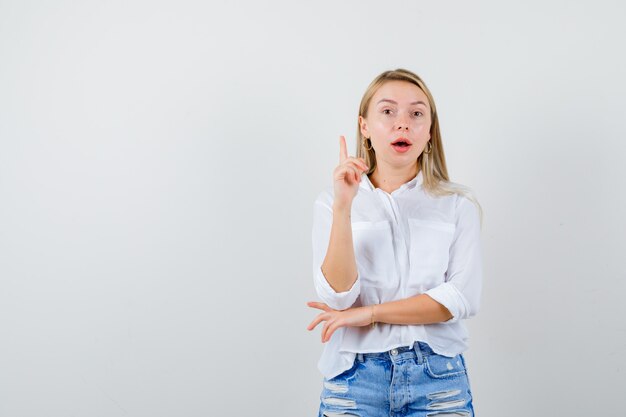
(343,151)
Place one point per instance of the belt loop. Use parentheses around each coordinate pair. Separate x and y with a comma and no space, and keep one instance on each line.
(359,357)
(418,352)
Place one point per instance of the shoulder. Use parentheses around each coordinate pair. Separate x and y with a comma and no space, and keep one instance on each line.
(463,200)
(326,197)
(466,203)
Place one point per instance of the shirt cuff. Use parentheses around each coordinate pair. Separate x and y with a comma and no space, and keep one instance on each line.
(336,300)
(450,297)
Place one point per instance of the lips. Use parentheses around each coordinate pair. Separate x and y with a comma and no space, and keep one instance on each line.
(401,142)
(401,145)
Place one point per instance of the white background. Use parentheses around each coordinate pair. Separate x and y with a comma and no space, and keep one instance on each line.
(159,163)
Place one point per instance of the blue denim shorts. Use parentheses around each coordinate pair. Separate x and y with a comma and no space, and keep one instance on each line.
(406,381)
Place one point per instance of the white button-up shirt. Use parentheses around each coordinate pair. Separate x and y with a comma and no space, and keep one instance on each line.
(405,243)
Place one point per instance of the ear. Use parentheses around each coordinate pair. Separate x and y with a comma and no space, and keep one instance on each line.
(363,125)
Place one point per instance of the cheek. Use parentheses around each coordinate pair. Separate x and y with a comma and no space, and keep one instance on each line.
(422,127)
(380,124)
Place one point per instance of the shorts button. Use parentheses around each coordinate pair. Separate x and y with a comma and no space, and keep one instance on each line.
(394,352)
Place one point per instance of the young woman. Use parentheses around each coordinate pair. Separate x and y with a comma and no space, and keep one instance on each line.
(397,263)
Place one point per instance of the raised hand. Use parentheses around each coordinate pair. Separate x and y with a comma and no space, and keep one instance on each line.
(347,175)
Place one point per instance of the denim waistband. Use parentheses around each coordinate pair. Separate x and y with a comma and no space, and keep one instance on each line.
(417,350)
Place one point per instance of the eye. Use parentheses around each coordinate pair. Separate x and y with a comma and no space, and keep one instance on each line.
(418,112)
(386,110)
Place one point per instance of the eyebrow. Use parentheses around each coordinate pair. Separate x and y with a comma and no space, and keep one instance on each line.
(393,102)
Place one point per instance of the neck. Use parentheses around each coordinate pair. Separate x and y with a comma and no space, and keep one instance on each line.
(390,179)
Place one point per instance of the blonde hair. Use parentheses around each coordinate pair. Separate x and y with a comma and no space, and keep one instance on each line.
(433,165)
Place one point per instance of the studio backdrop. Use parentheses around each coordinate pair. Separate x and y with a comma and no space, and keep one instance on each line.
(158,167)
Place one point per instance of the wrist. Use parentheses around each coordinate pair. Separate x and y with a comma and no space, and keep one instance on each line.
(373,316)
(342,208)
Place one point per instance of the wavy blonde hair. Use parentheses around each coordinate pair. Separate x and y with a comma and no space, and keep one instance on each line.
(433,165)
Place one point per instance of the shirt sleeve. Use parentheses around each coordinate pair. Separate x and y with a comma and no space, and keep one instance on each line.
(461,291)
(322,223)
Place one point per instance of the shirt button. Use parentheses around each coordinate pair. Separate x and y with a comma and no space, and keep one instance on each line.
(394,352)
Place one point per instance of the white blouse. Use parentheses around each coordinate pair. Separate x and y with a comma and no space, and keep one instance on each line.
(405,243)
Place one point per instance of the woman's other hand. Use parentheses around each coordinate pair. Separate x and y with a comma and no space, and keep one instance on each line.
(347,175)
(334,319)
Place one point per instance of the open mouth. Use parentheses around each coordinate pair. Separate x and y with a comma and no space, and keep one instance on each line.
(401,144)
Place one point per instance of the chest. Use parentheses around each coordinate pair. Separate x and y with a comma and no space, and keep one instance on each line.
(403,241)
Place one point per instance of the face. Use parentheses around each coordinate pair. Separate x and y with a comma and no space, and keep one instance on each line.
(399,110)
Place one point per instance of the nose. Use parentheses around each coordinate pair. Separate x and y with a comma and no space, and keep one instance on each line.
(402,123)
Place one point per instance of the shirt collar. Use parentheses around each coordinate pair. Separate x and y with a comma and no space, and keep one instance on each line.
(417,180)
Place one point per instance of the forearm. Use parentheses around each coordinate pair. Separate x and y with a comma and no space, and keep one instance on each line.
(339,266)
(419,309)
